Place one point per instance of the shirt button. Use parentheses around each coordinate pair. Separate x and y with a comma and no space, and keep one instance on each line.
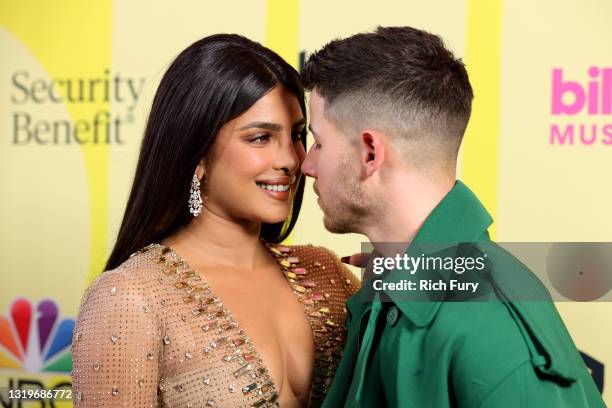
(392,316)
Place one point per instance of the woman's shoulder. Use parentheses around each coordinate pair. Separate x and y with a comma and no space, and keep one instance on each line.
(322,258)
(319,265)
(134,277)
(319,253)
(319,256)
(117,335)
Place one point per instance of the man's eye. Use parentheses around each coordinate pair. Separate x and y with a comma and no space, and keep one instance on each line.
(317,145)
(296,136)
(260,139)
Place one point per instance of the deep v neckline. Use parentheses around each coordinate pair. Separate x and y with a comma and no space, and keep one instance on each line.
(205,295)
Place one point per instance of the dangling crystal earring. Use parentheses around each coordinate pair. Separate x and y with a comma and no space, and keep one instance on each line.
(195,201)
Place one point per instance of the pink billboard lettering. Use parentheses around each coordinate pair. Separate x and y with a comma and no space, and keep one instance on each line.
(570,97)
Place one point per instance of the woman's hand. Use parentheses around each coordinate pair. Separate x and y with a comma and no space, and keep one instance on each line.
(360,259)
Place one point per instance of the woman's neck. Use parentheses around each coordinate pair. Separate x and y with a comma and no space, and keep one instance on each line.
(212,240)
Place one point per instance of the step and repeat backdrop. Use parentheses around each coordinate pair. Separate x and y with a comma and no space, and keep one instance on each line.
(76,84)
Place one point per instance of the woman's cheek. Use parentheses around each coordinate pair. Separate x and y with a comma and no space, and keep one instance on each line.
(253,162)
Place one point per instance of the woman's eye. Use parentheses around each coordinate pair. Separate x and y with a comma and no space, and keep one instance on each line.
(296,136)
(260,139)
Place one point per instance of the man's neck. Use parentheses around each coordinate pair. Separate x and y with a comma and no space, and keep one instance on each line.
(410,200)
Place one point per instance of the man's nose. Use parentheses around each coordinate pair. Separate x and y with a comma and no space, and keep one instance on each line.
(308,167)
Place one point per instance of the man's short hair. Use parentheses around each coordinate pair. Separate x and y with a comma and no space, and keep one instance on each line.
(398,79)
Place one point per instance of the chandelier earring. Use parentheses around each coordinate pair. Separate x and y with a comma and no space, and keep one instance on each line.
(195,199)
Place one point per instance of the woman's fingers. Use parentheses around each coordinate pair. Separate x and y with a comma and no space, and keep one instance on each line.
(359,260)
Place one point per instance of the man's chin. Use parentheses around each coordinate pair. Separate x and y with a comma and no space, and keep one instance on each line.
(334,226)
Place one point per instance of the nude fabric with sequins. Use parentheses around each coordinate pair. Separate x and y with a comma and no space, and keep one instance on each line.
(151,333)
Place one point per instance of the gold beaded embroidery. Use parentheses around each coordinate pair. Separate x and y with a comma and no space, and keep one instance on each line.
(184,378)
(209,307)
(329,348)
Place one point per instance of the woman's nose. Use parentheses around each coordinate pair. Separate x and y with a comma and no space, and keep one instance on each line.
(288,157)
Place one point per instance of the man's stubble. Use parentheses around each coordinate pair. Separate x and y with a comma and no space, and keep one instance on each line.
(352,206)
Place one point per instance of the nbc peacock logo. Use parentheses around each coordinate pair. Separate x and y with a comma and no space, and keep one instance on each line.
(35,338)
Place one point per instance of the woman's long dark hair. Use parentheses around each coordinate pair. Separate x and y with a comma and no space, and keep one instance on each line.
(210,83)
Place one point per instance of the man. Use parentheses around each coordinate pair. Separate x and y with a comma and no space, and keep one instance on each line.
(388,113)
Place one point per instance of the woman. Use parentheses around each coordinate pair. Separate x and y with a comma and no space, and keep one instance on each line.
(200,306)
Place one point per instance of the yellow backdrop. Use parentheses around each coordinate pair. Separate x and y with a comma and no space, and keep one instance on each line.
(77,80)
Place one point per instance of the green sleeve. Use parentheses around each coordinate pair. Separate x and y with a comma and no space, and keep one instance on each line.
(522,388)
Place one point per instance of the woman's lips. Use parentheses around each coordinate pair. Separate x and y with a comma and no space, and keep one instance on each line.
(277,188)
(277,195)
(285,180)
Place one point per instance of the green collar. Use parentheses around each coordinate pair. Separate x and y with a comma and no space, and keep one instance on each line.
(459,217)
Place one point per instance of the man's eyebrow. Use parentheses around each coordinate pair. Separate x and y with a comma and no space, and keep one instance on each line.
(273,127)
(312,131)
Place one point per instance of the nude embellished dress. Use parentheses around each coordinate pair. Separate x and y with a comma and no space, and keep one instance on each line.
(152,333)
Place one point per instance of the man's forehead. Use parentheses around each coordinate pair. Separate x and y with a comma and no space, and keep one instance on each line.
(313,129)
(317,102)
(317,113)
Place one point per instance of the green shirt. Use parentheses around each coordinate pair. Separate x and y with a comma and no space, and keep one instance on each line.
(459,354)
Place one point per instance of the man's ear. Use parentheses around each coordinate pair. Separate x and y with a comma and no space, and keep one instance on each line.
(372,151)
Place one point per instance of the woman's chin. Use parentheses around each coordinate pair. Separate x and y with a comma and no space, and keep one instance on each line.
(274,217)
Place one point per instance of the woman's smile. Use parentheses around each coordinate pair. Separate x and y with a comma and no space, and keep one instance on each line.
(277,188)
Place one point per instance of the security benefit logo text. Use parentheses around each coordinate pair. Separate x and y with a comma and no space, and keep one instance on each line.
(97,108)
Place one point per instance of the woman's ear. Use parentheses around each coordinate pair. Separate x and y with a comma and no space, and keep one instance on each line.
(201,169)
(373,151)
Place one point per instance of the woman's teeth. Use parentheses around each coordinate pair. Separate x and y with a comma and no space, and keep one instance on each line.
(274,187)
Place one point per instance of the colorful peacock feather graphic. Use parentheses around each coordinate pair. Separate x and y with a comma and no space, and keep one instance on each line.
(35,339)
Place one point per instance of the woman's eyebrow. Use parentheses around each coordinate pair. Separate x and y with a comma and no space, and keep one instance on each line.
(299,123)
(273,127)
